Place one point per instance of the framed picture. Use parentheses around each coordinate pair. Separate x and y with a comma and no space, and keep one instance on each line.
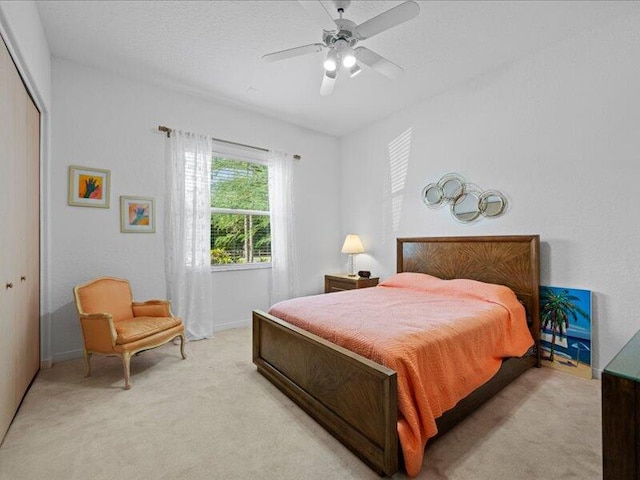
(88,187)
(565,329)
(137,215)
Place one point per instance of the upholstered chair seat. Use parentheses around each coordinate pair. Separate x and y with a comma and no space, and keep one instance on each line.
(112,324)
(142,327)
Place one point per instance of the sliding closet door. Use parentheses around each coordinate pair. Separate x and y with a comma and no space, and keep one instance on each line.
(26,200)
(19,239)
(30,277)
(7,240)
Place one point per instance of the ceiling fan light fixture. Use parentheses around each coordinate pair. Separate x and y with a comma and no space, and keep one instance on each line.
(354,71)
(348,58)
(331,62)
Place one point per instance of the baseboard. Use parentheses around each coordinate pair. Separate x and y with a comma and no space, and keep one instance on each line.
(68,355)
(230,325)
(44,364)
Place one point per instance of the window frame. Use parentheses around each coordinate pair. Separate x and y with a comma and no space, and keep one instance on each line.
(233,154)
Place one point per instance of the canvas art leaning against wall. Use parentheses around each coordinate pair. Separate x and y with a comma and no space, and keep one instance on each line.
(565,323)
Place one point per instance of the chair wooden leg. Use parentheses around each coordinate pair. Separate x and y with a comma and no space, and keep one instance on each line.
(182,342)
(126,362)
(87,359)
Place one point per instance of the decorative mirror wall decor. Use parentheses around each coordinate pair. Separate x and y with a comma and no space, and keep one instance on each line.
(465,207)
(492,203)
(452,186)
(467,201)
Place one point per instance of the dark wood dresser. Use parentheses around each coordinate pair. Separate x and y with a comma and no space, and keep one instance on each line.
(621,414)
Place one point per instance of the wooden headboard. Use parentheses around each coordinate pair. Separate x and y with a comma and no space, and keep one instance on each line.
(512,260)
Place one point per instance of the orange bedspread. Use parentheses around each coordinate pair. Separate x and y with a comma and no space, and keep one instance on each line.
(444,338)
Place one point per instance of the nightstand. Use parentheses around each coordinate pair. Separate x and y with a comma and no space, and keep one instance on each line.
(339,282)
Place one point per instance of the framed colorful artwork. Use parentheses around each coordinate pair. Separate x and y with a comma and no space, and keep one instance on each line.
(137,215)
(88,187)
(565,329)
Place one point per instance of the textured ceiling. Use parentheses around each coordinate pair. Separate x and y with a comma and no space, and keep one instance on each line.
(213,48)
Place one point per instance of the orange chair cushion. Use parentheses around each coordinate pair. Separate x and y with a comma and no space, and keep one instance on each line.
(107,295)
(153,308)
(133,329)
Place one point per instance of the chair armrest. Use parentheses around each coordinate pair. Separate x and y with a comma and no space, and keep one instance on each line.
(99,331)
(152,308)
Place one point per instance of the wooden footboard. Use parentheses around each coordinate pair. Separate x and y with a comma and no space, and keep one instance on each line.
(352,397)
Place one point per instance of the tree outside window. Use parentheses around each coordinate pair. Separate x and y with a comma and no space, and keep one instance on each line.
(240,227)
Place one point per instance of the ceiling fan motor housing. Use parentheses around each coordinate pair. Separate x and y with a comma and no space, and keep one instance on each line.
(342,38)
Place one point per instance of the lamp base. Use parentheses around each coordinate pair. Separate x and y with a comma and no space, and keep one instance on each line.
(352,265)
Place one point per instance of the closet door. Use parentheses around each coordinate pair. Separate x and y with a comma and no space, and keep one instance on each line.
(7,239)
(26,201)
(30,276)
(19,239)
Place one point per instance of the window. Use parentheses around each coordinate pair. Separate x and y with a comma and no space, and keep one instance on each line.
(240,223)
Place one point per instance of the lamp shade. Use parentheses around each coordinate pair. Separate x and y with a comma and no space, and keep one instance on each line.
(352,244)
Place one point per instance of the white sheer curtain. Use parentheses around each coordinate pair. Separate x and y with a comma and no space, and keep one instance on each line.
(188,232)
(284,271)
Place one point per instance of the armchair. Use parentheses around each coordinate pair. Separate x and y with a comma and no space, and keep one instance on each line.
(114,325)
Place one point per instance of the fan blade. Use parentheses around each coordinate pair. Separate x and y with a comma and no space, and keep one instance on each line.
(378,63)
(322,18)
(395,16)
(293,52)
(328,81)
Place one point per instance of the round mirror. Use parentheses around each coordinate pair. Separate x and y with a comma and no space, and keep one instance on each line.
(492,203)
(452,186)
(432,195)
(465,207)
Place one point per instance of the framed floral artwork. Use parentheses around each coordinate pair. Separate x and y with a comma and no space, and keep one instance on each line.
(137,215)
(88,187)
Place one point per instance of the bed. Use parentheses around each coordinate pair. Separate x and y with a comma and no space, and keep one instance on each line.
(355,398)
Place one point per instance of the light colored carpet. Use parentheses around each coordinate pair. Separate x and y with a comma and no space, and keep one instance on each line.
(213,416)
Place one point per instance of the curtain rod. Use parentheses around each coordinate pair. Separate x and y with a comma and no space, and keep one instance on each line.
(168,131)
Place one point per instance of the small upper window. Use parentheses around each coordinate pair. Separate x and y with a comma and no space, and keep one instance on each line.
(240,222)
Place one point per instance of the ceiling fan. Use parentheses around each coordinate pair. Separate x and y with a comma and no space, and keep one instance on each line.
(340,36)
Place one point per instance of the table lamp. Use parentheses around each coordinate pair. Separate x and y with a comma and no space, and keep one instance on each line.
(352,245)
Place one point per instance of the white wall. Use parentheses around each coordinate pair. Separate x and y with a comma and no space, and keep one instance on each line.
(106,121)
(22,30)
(556,132)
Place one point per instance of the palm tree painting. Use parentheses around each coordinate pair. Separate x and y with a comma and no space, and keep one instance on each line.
(565,318)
